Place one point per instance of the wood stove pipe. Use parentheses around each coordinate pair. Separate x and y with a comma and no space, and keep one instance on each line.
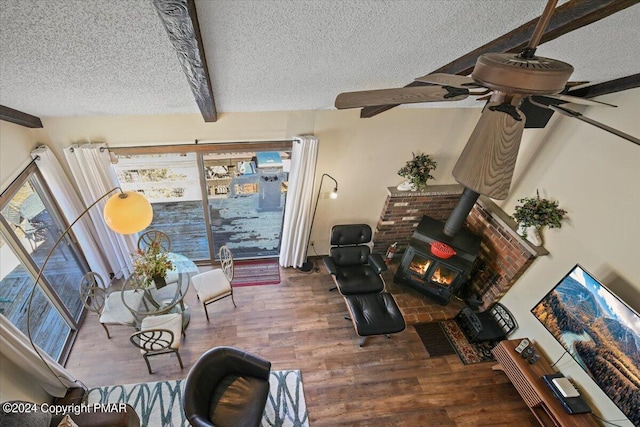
(460,212)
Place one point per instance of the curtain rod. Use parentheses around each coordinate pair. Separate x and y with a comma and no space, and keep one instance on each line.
(206,146)
(6,189)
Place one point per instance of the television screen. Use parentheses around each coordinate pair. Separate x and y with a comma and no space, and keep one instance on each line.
(600,331)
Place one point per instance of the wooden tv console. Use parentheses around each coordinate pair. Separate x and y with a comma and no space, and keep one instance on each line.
(527,379)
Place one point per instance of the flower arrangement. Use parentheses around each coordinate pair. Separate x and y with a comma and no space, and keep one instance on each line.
(151,263)
(538,212)
(418,170)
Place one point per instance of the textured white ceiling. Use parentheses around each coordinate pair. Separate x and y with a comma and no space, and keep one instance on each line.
(95,57)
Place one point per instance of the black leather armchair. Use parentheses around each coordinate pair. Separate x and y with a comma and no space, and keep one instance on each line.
(354,268)
(226,387)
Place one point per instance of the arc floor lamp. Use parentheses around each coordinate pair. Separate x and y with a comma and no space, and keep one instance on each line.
(126,212)
(308,265)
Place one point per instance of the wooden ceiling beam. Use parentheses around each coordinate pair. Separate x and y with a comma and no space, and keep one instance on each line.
(538,117)
(566,18)
(181,22)
(18,117)
(605,88)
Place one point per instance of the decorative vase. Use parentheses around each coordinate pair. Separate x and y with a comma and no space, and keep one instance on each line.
(531,233)
(160,281)
(406,186)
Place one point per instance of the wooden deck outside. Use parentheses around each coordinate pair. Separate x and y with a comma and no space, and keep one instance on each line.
(235,222)
(48,329)
(299,324)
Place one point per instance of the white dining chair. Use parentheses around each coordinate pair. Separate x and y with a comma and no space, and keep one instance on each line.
(149,237)
(213,285)
(160,334)
(110,307)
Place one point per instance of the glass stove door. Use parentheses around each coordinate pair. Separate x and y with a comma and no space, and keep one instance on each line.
(443,275)
(419,265)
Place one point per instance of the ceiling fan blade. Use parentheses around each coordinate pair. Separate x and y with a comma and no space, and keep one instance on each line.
(404,95)
(576,100)
(487,161)
(453,80)
(576,115)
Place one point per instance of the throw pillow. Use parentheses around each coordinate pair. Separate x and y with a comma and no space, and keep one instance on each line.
(67,422)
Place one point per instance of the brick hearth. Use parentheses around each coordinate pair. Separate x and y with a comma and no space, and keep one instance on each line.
(504,255)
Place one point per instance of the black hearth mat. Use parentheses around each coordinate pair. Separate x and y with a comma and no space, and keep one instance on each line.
(434,339)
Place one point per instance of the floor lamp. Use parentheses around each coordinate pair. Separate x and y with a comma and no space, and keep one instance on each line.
(308,265)
(126,212)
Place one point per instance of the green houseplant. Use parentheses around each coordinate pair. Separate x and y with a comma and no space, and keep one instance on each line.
(151,265)
(417,171)
(536,212)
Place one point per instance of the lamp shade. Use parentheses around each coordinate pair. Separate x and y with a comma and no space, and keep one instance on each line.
(128,212)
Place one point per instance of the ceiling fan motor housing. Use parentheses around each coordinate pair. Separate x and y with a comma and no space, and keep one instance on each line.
(510,73)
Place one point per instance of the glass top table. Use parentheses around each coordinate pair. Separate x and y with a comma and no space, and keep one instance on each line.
(144,300)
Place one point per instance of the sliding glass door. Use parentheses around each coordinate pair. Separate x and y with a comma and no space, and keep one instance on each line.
(205,199)
(246,197)
(30,226)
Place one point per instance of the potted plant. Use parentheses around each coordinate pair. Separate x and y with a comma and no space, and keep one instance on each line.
(151,265)
(417,171)
(535,213)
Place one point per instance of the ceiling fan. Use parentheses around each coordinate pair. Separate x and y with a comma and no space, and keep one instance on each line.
(487,162)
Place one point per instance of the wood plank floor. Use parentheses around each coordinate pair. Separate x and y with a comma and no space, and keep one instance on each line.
(299,324)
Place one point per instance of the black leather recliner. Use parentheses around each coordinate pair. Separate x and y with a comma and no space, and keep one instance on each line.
(226,387)
(357,273)
(356,270)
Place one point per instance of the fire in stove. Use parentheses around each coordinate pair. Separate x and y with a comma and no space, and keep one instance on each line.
(420,266)
(443,276)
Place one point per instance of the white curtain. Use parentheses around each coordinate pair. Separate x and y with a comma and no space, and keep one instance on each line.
(91,168)
(72,207)
(16,347)
(298,209)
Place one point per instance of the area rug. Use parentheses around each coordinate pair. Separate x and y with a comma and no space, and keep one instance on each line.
(434,339)
(255,273)
(160,403)
(458,344)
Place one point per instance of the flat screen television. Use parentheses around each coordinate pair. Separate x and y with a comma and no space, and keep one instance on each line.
(600,331)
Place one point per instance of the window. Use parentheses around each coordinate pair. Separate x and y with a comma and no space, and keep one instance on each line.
(212,196)
(30,225)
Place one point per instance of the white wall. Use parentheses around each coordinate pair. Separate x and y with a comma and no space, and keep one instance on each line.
(596,178)
(16,142)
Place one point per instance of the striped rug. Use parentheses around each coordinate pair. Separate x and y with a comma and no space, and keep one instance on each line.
(159,403)
(254,273)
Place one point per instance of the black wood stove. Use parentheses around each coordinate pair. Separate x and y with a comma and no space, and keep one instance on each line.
(429,269)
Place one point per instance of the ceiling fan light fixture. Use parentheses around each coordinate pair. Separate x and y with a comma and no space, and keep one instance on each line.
(508,72)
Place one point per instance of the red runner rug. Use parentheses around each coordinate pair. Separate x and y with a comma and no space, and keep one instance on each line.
(255,273)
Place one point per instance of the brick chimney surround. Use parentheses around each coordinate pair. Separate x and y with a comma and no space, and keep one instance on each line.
(504,255)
